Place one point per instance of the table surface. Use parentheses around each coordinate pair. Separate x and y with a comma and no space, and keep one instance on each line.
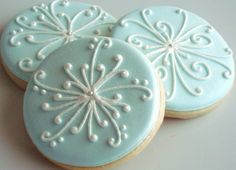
(205,143)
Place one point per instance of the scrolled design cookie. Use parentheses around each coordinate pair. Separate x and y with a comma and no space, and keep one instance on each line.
(88,96)
(171,50)
(52,28)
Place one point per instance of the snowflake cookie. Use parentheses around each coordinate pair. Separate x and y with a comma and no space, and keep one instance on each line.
(35,33)
(89,97)
(192,59)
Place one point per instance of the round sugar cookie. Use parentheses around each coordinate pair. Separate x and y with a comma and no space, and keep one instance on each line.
(33,34)
(88,106)
(194,62)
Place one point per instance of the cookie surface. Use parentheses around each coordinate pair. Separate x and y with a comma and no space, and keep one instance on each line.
(88,105)
(35,33)
(192,59)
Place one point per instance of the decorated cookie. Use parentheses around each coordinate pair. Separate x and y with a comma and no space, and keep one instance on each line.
(35,33)
(192,59)
(88,105)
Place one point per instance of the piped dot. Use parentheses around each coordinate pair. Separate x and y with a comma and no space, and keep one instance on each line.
(117,96)
(53,144)
(135,81)
(124,136)
(67,85)
(68,66)
(58,120)
(74,130)
(118,57)
(93,138)
(145,82)
(116,114)
(100,67)
(43,92)
(45,106)
(123,128)
(35,88)
(127,108)
(57,96)
(124,74)
(61,139)
(104,123)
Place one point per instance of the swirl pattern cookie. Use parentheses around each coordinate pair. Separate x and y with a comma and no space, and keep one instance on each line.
(192,59)
(88,97)
(35,33)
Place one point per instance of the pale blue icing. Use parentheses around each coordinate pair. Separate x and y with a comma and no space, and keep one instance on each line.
(36,32)
(125,84)
(194,62)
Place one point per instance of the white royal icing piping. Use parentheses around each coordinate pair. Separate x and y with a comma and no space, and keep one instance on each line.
(89,97)
(172,48)
(50,23)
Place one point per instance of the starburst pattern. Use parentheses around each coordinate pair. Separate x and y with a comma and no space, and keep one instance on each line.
(177,54)
(52,29)
(87,97)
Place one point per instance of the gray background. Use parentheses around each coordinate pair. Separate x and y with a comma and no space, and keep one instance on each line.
(205,143)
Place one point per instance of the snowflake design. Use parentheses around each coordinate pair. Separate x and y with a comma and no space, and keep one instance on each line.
(86,96)
(171,52)
(51,29)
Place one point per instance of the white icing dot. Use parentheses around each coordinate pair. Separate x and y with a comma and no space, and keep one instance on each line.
(43,5)
(41,17)
(40,56)
(46,134)
(228,50)
(53,144)
(93,138)
(145,82)
(85,66)
(74,130)
(43,92)
(58,120)
(118,57)
(104,123)
(199,90)
(124,136)
(135,81)
(127,108)
(95,40)
(88,13)
(20,30)
(116,114)
(29,37)
(67,85)
(123,23)
(123,128)
(68,66)
(45,106)
(111,141)
(124,74)
(117,96)
(33,24)
(226,74)
(57,96)
(36,88)
(13,32)
(144,97)
(91,46)
(100,67)
(178,11)
(61,139)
